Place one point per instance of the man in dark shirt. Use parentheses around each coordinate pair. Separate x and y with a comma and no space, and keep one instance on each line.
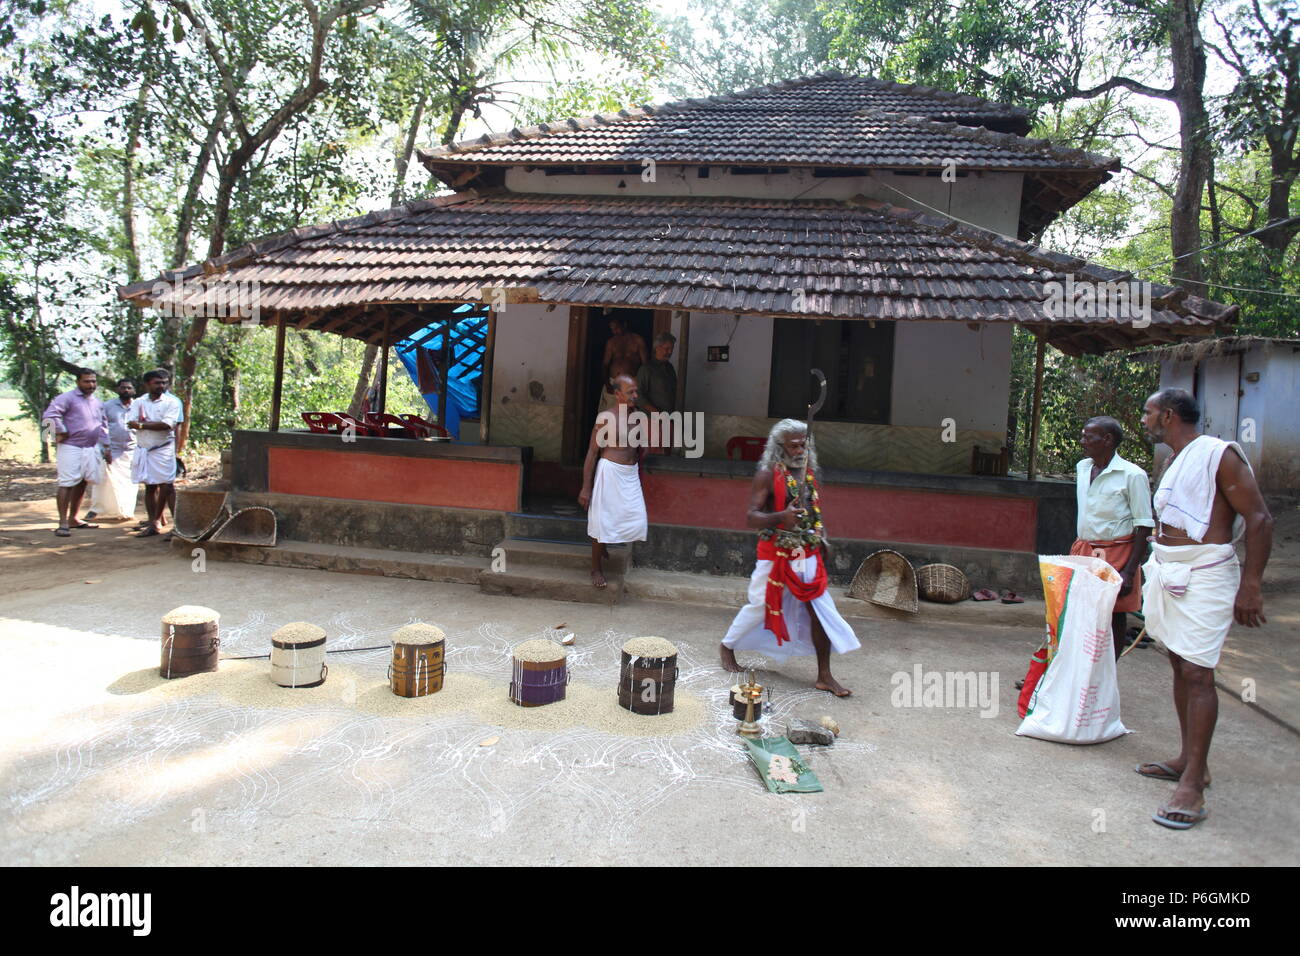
(657,382)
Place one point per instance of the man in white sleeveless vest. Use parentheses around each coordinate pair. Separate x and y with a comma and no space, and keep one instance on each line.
(1194,587)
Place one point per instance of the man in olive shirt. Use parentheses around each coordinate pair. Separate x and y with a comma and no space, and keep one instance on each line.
(1114,515)
(656,380)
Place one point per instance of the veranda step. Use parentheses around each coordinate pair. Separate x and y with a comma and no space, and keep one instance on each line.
(288,553)
(562,554)
(552,584)
(548,527)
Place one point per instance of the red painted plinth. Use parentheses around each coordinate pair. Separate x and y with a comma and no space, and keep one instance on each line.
(853,511)
(439,482)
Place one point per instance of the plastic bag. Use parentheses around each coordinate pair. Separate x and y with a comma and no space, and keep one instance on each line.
(1077,699)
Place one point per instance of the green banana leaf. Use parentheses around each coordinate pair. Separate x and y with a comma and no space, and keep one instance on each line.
(761,752)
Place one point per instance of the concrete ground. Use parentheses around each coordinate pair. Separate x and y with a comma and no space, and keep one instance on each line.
(103,763)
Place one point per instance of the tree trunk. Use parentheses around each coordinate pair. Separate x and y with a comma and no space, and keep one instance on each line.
(403,158)
(170,336)
(128,347)
(1187,55)
(363,380)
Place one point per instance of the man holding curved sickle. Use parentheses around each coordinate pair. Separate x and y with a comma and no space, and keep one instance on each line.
(790,611)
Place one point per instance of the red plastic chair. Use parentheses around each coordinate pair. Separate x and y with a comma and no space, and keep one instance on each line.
(361,427)
(751,449)
(385,424)
(429,429)
(322,422)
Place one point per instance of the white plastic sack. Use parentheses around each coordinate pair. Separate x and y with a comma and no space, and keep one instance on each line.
(1077,700)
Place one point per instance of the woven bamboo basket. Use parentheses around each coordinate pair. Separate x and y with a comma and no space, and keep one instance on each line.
(255,526)
(199,513)
(942,583)
(888,579)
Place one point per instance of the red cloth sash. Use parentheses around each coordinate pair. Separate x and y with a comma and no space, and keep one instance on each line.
(783,576)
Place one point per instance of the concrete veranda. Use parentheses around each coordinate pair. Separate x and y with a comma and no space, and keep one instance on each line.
(105,764)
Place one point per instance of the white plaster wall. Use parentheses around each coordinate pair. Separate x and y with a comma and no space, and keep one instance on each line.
(532,346)
(528,373)
(946,370)
(987,199)
(736,387)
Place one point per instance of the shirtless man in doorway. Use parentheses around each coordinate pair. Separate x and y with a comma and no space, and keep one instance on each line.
(625,353)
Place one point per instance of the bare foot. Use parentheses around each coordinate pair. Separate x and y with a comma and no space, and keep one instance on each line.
(597,580)
(830,684)
(728,659)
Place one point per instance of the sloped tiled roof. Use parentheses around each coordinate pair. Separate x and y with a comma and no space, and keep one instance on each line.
(861,260)
(822,120)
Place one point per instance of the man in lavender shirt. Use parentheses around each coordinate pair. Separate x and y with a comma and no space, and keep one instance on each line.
(76,418)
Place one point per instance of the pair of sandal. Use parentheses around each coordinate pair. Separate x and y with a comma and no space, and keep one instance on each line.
(988,594)
(63,532)
(1163,816)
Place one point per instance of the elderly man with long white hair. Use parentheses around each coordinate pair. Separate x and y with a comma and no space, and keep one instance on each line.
(790,613)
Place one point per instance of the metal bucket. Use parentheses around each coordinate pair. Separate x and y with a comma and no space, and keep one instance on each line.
(536,683)
(417,669)
(646,684)
(298,665)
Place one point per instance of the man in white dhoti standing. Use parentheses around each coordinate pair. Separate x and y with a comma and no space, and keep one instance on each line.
(1194,587)
(611,480)
(114,497)
(790,612)
(153,418)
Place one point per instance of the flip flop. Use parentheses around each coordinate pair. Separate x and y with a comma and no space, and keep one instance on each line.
(1196,815)
(1011,597)
(984,594)
(1168,774)
(63,532)
(83,524)
(148,533)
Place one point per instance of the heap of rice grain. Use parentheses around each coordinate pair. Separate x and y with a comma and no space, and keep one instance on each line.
(190,614)
(649,647)
(418,634)
(539,651)
(299,632)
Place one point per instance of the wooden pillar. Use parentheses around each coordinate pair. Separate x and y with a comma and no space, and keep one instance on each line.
(485,382)
(1037,409)
(445,363)
(277,389)
(683,353)
(381,400)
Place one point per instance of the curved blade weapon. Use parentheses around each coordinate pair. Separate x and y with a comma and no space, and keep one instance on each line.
(813,409)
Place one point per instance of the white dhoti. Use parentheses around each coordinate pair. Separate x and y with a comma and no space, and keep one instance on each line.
(154,466)
(748,632)
(76,464)
(617,511)
(1187,598)
(114,497)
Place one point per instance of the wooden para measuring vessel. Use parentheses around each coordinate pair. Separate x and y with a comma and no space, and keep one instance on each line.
(191,641)
(648,676)
(298,655)
(539,674)
(419,661)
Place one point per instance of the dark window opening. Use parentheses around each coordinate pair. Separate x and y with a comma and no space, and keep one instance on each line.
(758,170)
(857,360)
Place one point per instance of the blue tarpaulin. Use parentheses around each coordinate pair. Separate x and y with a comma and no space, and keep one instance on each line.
(421,353)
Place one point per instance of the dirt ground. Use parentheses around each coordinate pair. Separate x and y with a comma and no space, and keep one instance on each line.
(105,763)
(30,554)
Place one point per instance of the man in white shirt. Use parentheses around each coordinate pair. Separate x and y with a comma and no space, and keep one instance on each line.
(153,418)
(1115,517)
